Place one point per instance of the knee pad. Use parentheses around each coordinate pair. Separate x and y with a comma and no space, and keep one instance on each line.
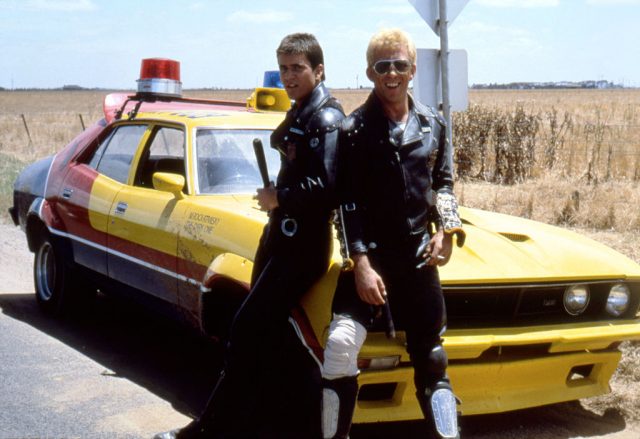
(438,360)
(430,368)
(338,403)
(346,337)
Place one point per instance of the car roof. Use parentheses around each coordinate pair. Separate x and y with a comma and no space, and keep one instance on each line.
(189,111)
(218,118)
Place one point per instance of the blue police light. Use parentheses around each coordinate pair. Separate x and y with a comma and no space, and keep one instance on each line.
(272,79)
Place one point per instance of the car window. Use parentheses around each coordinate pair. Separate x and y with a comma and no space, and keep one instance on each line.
(226,160)
(114,155)
(165,153)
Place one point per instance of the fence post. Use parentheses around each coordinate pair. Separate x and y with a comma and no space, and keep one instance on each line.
(81,121)
(26,129)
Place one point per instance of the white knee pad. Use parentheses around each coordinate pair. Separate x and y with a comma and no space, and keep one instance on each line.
(346,337)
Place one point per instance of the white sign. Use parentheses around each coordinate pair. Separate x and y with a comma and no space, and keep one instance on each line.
(429,11)
(427,85)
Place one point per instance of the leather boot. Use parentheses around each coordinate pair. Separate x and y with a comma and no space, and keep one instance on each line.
(338,403)
(203,426)
(439,407)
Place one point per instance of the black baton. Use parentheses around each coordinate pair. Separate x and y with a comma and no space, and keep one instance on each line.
(262,162)
(390,329)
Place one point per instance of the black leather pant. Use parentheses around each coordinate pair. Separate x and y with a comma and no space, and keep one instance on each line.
(416,301)
(264,363)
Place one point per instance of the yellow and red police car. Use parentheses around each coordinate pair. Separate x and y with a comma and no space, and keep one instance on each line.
(155,200)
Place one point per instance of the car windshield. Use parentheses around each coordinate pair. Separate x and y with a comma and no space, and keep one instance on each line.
(226,161)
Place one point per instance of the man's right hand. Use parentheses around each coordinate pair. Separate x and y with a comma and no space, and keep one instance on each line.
(369,284)
(267,197)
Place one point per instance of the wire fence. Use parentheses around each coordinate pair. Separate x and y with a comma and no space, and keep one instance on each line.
(510,146)
(496,145)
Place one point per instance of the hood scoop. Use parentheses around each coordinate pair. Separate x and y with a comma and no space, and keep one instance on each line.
(515,237)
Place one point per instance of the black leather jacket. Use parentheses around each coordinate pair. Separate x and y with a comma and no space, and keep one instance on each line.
(388,184)
(307,141)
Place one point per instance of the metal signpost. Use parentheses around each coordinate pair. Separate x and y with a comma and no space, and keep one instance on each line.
(438,14)
(427,84)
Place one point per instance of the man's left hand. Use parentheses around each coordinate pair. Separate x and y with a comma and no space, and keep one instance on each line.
(439,248)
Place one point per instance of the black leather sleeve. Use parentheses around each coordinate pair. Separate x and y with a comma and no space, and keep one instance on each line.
(315,188)
(445,200)
(443,168)
(350,181)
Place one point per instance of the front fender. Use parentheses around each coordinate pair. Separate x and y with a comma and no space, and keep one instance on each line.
(228,266)
(229,271)
(224,288)
(318,300)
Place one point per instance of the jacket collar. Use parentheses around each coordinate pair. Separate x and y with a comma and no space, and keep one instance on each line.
(298,116)
(417,122)
(318,97)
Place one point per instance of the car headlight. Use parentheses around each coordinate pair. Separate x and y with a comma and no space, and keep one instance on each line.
(576,299)
(618,300)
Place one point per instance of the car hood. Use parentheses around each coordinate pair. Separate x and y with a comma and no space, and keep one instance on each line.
(506,249)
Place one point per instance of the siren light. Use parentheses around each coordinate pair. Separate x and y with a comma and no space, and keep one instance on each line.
(272,79)
(160,77)
(269,99)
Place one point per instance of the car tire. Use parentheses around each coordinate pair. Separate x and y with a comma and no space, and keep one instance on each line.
(56,282)
(220,308)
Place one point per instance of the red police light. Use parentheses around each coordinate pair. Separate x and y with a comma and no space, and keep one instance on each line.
(160,77)
(160,68)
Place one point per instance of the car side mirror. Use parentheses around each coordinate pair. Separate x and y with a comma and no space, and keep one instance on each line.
(168,182)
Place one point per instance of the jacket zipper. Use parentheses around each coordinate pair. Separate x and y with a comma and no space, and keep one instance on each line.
(404,187)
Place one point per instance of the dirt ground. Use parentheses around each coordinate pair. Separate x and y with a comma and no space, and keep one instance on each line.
(616,415)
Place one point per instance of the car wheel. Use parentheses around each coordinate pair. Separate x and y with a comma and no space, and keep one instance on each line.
(219,310)
(54,279)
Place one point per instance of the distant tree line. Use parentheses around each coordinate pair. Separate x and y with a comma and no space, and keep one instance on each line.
(63,88)
(543,85)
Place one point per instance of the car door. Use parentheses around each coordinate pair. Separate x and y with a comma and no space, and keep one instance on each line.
(89,188)
(143,223)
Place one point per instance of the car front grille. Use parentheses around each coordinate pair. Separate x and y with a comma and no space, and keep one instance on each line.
(522,305)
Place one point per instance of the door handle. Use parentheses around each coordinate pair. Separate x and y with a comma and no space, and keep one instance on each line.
(121,207)
(66,193)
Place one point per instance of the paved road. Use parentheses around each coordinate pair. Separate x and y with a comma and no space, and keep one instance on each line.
(115,373)
(120,372)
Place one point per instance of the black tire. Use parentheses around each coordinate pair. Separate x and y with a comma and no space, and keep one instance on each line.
(220,308)
(56,282)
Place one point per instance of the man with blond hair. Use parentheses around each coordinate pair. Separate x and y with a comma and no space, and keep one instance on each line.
(398,215)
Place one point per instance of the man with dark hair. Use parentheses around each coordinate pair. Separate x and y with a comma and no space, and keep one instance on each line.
(398,215)
(303,43)
(294,252)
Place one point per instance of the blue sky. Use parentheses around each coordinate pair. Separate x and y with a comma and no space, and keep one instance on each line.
(222,43)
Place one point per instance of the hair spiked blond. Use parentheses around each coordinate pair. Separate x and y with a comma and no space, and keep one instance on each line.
(390,38)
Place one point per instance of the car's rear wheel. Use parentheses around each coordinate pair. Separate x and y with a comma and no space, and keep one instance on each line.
(56,283)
